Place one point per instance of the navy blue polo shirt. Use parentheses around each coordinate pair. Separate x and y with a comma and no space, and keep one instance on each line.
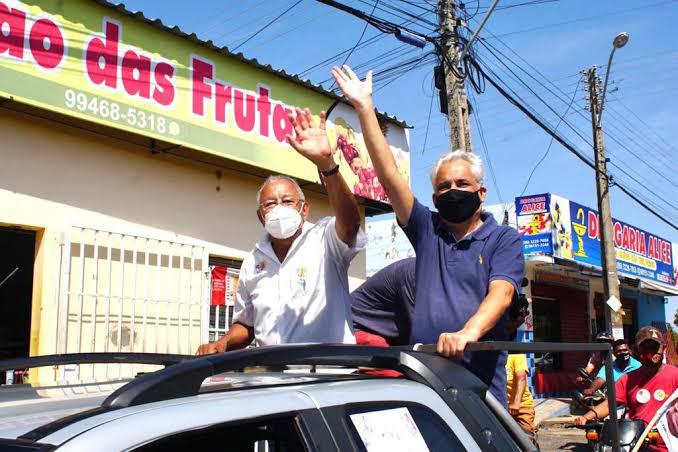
(453,278)
(384,304)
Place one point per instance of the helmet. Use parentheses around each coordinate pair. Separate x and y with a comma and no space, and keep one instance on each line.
(604,336)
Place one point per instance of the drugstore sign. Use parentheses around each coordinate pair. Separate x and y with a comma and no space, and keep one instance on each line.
(552,225)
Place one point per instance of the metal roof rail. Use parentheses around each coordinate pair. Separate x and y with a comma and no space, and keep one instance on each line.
(461,390)
(420,363)
(162,359)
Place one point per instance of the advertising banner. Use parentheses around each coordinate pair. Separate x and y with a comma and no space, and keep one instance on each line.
(94,62)
(639,253)
(534,224)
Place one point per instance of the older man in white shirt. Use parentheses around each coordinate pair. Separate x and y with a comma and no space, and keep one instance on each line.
(293,286)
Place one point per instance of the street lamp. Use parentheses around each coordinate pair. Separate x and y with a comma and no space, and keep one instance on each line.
(607,252)
(619,41)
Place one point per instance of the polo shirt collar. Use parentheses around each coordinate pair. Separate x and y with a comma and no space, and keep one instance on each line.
(488,227)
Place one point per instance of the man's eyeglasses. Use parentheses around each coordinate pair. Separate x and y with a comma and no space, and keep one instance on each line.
(271,203)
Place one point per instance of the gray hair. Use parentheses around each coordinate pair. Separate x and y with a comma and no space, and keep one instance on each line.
(276,177)
(475,161)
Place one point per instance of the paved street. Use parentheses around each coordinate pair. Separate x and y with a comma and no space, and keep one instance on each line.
(554,438)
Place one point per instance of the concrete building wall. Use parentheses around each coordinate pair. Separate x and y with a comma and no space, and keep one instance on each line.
(54,178)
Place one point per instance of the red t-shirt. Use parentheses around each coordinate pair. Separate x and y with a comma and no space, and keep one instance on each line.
(644,393)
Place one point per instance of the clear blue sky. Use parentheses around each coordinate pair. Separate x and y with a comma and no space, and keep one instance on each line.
(557,38)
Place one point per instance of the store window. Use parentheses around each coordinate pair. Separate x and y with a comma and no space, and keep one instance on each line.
(546,318)
(224,275)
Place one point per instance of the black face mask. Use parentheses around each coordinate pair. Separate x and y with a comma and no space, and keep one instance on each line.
(623,358)
(457,206)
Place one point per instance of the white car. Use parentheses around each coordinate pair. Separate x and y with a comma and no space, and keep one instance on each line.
(209,402)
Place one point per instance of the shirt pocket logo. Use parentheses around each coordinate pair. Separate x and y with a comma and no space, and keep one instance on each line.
(301,277)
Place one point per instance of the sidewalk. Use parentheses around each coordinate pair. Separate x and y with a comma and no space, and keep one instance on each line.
(555,411)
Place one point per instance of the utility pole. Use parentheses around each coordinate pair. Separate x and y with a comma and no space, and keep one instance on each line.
(608,258)
(457,103)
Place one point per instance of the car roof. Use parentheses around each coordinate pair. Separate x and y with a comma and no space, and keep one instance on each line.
(184,381)
(159,419)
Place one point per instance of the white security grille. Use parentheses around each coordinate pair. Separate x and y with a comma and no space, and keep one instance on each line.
(127,293)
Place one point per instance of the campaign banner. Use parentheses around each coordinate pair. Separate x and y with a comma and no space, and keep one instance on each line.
(94,62)
(219,286)
(534,224)
(639,253)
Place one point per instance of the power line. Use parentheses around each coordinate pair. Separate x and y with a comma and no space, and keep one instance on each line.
(560,120)
(584,19)
(428,120)
(267,25)
(505,57)
(481,134)
(560,140)
(357,42)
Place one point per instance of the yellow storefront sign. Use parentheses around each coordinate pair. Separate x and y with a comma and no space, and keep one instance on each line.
(94,62)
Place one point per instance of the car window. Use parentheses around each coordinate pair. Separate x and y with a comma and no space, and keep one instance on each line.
(268,435)
(400,427)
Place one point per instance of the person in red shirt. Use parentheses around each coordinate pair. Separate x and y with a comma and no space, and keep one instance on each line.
(644,390)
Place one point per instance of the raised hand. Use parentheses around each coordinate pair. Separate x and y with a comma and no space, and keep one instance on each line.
(311,141)
(357,92)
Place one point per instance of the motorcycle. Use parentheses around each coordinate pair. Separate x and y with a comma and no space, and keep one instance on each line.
(592,400)
(598,435)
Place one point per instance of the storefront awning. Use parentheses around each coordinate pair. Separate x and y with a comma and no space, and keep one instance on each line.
(665,289)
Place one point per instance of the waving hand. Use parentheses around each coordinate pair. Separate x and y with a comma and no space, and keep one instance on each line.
(359,93)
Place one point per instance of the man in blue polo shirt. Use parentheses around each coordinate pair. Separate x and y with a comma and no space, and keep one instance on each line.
(468,266)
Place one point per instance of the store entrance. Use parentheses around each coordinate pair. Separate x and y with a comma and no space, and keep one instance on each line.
(17,255)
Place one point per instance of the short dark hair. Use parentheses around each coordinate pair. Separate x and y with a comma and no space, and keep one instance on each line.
(519,306)
(619,342)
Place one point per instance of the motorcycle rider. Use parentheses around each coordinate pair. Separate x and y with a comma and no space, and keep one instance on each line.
(644,390)
(623,364)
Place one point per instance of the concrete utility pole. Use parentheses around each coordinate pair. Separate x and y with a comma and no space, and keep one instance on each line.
(457,103)
(608,258)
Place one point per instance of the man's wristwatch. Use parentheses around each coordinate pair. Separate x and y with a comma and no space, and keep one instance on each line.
(330,172)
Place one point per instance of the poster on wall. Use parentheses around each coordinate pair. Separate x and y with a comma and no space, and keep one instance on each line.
(562,234)
(95,62)
(351,152)
(387,244)
(639,253)
(534,224)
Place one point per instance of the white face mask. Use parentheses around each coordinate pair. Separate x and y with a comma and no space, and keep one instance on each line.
(282,222)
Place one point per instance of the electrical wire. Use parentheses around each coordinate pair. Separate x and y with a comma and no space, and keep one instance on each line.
(428,119)
(560,120)
(362,35)
(486,151)
(585,19)
(564,143)
(503,58)
(267,25)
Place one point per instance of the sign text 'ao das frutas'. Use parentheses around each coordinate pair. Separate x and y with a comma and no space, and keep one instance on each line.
(97,63)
